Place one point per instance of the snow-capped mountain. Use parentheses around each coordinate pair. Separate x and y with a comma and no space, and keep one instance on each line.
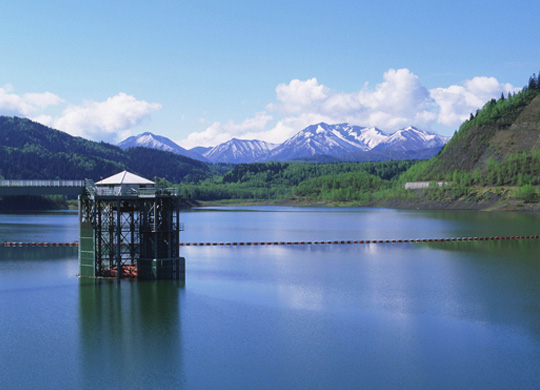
(331,140)
(153,141)
(200,150)
(239,151)
(412,138)
(340,139)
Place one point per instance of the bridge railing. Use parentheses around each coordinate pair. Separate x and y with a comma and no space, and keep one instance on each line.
(42,183)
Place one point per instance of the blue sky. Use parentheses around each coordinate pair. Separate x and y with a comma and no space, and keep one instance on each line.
(201,72)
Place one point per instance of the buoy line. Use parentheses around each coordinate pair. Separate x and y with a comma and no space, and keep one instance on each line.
(11,244)
(41,244)
(342,242)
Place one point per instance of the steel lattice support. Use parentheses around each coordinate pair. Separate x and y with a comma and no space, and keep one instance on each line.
(127,236)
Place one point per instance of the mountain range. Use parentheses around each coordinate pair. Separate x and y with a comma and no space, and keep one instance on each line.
(343,139)
(337,142)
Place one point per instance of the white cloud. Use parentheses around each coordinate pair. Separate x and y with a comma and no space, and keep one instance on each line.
(46,120)
(400,100)
(299,96)
(27,104)
(218,132)
(458,101)
(43,100)
(109,120)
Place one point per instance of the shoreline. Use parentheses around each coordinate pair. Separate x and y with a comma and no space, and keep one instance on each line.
(491,202)
(395,203)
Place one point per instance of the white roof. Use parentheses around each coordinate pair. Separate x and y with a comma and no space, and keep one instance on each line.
(124,177)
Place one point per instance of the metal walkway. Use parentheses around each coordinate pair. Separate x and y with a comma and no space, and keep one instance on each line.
(41,187)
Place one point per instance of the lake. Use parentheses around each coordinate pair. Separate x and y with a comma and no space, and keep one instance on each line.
(408,316)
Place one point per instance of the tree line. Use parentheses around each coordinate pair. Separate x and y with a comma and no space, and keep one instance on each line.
(286,180)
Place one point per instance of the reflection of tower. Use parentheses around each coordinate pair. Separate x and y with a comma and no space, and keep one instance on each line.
(130,334)
(128,228)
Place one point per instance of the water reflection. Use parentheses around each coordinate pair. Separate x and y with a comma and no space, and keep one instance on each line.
(496,282)
(39,227)
(460,223)
(298,224)
(130,333)
(36,253)
(522,248)
(436,316)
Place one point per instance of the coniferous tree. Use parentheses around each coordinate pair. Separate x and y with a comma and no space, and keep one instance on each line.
(533,82)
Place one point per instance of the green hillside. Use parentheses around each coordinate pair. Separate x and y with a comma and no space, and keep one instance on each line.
(29,150)
(494,146)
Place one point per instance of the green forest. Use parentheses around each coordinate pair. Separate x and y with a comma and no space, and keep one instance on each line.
(334,182)
(497,147)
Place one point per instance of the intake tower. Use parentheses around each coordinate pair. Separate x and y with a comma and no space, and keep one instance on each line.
(129,228)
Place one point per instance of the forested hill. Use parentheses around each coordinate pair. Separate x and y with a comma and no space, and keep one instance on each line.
(29,150)
(494,146)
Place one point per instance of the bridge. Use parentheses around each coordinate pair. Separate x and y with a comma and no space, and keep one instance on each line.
(41,187)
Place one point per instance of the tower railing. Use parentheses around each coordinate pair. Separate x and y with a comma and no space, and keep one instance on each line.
(131,191)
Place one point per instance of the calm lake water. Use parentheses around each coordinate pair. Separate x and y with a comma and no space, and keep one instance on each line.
(402,316)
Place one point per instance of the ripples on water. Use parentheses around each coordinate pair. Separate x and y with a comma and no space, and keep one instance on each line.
(433,315)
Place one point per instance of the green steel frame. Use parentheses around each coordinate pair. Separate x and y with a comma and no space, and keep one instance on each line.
(130,235)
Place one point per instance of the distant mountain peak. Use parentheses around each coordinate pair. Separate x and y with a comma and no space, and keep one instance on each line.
(159,142)
(239,151)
